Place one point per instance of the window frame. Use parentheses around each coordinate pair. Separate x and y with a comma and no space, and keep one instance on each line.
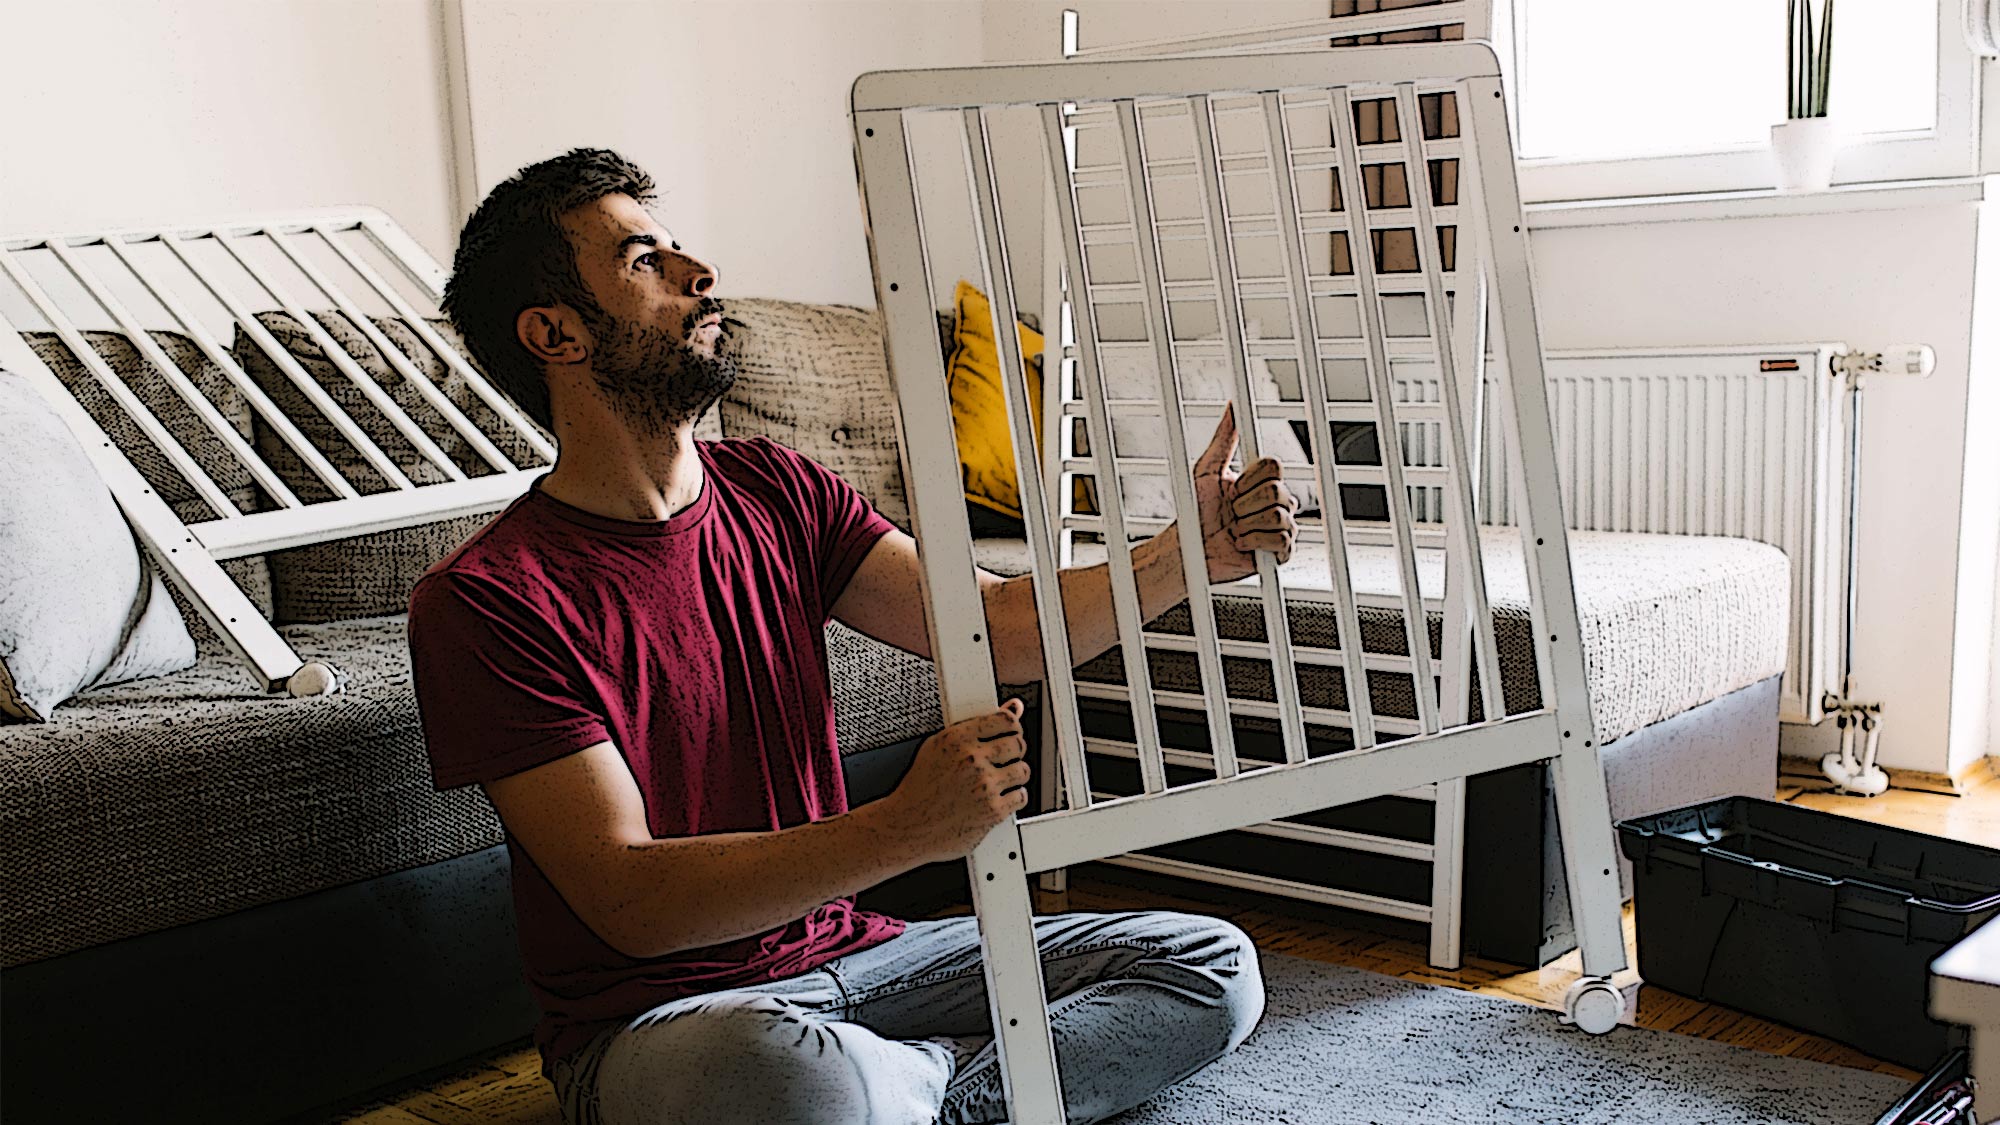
(1951,148)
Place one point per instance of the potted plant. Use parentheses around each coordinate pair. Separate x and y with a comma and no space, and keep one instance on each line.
(1804,145)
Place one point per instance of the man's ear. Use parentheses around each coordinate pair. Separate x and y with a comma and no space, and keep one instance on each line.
(553,334)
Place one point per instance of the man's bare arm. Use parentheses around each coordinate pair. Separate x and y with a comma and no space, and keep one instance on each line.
(884,599)
(582,821)
(1240,515)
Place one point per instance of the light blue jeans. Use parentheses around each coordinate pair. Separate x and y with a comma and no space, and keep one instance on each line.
(900,1034)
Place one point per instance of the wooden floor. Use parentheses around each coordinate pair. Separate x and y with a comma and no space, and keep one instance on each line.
(507,1087)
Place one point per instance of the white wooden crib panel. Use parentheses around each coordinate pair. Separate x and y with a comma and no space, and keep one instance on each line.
(1179,218)
(207,283)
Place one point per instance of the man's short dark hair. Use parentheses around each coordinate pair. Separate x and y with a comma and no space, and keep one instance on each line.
(513,255)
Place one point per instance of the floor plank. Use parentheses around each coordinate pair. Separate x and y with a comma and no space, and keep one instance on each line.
(506,1088)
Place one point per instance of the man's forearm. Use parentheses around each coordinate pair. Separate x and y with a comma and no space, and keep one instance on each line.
(696,891)
(1093,629)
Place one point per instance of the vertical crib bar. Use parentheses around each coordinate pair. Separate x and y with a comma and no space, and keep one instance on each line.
(1194,561)
(1361,246)
(175,453)
(247,322)
(1312,387)
(370,390)
(190,326)
(963,654)
(1462,523)
(1110,500)
(176,378)
(421,325)
(437,399)
(1277,624)
(996,271)
(1583,807)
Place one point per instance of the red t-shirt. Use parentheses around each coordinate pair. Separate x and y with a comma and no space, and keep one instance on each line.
(696,646)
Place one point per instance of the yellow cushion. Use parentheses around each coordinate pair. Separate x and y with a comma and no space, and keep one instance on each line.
(978,405)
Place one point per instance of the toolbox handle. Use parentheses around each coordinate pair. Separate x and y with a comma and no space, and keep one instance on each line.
(1802,893)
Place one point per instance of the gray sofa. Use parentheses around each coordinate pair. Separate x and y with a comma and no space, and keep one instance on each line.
(223,905)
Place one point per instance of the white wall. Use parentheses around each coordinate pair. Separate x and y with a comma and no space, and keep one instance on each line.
(1868,279)
(738,110)
(139,110)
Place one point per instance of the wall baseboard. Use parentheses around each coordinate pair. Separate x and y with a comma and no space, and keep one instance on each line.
(1920,781)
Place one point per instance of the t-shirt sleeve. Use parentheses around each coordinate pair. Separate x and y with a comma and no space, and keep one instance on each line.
(839,522)
(496,691)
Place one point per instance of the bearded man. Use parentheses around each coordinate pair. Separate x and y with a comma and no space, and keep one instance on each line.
(630,660)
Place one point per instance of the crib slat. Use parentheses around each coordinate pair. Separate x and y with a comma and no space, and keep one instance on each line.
(191,327)
(1312,385)
(494,400)
(447,409)
(1389,443)
(1277,626)
(998,277)
(369,388)
(248,324)
(177,379)
(1194,560)
(1124,584)
(177,454)
(1463,522)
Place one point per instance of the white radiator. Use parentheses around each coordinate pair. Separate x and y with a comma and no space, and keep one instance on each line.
(1740,441)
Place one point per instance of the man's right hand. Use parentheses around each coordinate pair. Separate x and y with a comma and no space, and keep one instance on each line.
(965,779)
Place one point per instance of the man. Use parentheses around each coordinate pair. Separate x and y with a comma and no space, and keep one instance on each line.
(630,660)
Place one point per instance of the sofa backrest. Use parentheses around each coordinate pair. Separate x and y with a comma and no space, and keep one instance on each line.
(815,378)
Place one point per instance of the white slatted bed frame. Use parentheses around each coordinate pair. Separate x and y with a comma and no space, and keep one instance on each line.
(291,263)
(1444,746)
(1444,852)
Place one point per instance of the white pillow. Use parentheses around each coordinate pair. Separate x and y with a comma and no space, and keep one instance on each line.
(80,605)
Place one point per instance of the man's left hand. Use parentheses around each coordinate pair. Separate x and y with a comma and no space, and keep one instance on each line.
(1241,513)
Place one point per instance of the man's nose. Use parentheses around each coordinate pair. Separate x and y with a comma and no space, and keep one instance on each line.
(701,276)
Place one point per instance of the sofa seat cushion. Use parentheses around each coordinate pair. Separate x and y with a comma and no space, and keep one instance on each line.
(166,801)
(171,800)
(1669,622)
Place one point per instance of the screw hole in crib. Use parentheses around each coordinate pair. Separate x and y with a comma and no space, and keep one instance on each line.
(975,638)
(871,132)
(892,287)
(1013,855)
(1565,735)
(1013,1023)
(989,876)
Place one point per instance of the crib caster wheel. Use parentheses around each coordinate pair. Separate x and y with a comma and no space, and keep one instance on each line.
(1594,1005)
(314,678)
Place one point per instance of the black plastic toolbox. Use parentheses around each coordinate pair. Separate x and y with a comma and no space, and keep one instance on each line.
(1823,922)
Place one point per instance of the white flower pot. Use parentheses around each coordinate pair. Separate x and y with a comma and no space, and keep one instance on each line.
(1803,149)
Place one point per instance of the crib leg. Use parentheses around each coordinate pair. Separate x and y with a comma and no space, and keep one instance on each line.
(1590,859)
(1014,987)
(1447,873)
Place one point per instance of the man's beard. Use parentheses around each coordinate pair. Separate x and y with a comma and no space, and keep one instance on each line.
(657,380)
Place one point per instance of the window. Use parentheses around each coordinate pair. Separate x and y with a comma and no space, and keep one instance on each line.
(1627,99)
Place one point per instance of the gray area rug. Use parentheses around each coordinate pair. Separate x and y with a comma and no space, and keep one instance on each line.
(1340,1046)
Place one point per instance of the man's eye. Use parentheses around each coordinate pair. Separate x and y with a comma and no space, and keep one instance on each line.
(650,259)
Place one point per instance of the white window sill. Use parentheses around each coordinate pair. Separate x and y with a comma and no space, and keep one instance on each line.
(1845,198)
